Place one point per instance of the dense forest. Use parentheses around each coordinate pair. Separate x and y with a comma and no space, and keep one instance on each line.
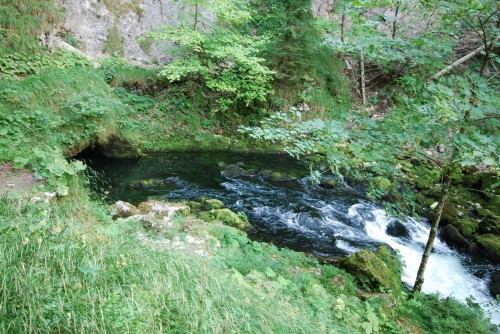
(395,100)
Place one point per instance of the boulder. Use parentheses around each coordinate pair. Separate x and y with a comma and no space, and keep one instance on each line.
(163,209)
(494,285)
(125,209)
(211,204)
(466,226)
(276,176)
(397,229)
(193,205)
(489,245)
(375,269)
(227,217)
(490,226)
(232,171)
(454,238)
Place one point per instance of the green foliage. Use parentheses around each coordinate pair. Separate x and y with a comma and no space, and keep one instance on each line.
(17,65)
(225,60)
(306,70)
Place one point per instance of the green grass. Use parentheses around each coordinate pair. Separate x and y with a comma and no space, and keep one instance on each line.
(21,22)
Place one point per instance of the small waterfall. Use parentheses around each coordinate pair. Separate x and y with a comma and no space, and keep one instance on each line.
(445,274)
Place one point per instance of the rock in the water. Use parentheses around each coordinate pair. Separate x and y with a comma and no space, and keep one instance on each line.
(227,217)
(125,209)
(453,238)
(276,176)
(494,285)
(397,229)
(376,269)
(232,171)
(148,183)
(490,246)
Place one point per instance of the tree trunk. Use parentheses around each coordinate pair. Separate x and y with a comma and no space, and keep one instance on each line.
(196,17)
(419,281)
(363,86)
(394,24)
(342,27)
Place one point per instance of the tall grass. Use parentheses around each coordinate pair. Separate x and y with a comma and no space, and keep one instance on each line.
(62,276)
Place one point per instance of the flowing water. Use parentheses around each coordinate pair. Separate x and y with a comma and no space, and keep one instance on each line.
(296,214)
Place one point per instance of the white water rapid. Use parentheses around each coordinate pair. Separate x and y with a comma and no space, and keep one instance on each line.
(444,274)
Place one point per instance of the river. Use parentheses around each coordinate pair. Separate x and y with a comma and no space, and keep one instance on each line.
(291,212)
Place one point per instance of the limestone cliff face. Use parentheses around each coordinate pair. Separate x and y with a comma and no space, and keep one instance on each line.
(98,25)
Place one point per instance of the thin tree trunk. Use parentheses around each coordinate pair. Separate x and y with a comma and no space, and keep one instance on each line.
(419,281)
(394,24)
(196,17)
(363,88)
(342,28)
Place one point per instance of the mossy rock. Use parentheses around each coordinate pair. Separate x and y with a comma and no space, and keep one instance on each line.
(490,245)
(376,269)
(227,217)
(452,236)
(466,226)
(494,205)
(490,226)
(119,148)
(276,176)
(472,181)
(211,204)
(193,205)
(232,171)
(449,214)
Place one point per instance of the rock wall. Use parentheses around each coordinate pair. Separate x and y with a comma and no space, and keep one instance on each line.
(91,22)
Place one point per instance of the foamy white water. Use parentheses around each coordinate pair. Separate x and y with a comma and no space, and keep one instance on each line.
(444,273)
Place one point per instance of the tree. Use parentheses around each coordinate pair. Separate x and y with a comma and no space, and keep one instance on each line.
(222,57)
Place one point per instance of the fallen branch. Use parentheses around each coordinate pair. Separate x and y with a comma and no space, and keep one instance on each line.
(456,63)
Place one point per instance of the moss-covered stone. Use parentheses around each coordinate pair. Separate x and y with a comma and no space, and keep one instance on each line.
(211,204)
(452,236)
(490,226)
(119,148)
(467,226)
(227,217)
(276,176)
(494,205)
(490,245)
(376,269)
(194,206)
(232,171)
(449,214)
